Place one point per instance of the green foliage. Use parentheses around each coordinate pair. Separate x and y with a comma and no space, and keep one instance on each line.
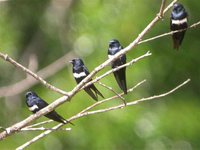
(49,29)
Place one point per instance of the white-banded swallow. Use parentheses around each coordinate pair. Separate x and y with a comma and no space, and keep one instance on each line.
(80,72)
(178,21)
(35,103)
(120,75)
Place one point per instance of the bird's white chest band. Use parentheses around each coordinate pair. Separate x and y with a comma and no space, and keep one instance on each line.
(32,108)
(178,22)
(79,75)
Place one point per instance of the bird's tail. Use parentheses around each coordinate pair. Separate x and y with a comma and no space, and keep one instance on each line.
(89,91)
(97,92)
(176,44)
(178,39)
(56,117)
(120,77)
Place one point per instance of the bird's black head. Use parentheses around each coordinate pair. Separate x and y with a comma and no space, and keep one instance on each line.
(177,8)
(30,94)
(178,12)
(114,47)
(114,43)
(77,62)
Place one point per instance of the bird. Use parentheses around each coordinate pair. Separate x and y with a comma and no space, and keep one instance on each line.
(178,21)
(80,71)
(120,75)
(35,103)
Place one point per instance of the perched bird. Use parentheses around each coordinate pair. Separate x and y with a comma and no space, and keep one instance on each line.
(35,103)
(178,21)
(80,72)
(120,75)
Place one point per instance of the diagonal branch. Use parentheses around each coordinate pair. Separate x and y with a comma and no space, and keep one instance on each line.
(111,89)
(44,73)
(45,83)
(170,33)
(162,8)
(45,129)
(38,124)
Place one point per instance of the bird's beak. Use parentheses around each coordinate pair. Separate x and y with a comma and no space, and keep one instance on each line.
(71,61)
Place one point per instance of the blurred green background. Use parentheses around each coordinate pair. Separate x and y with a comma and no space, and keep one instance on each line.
(49,29)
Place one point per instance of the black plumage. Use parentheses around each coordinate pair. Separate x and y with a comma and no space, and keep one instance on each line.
(80,72)
(120,75)
(178,21)
(35,103)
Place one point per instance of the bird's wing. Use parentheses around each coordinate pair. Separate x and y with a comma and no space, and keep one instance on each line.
(86,70)
(41,103)
(120,77)
(123,59)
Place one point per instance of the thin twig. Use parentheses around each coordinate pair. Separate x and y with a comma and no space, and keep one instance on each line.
(45,83)
(45,129)
(86,113)
(38,124)
(169,33)
(162,8)
(111,89)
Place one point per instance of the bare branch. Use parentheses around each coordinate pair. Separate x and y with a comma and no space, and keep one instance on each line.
(162,8)
(45,83)
(169,33)
(38,124)
(45,129)
(44,73)
(169,6)
(111,89)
